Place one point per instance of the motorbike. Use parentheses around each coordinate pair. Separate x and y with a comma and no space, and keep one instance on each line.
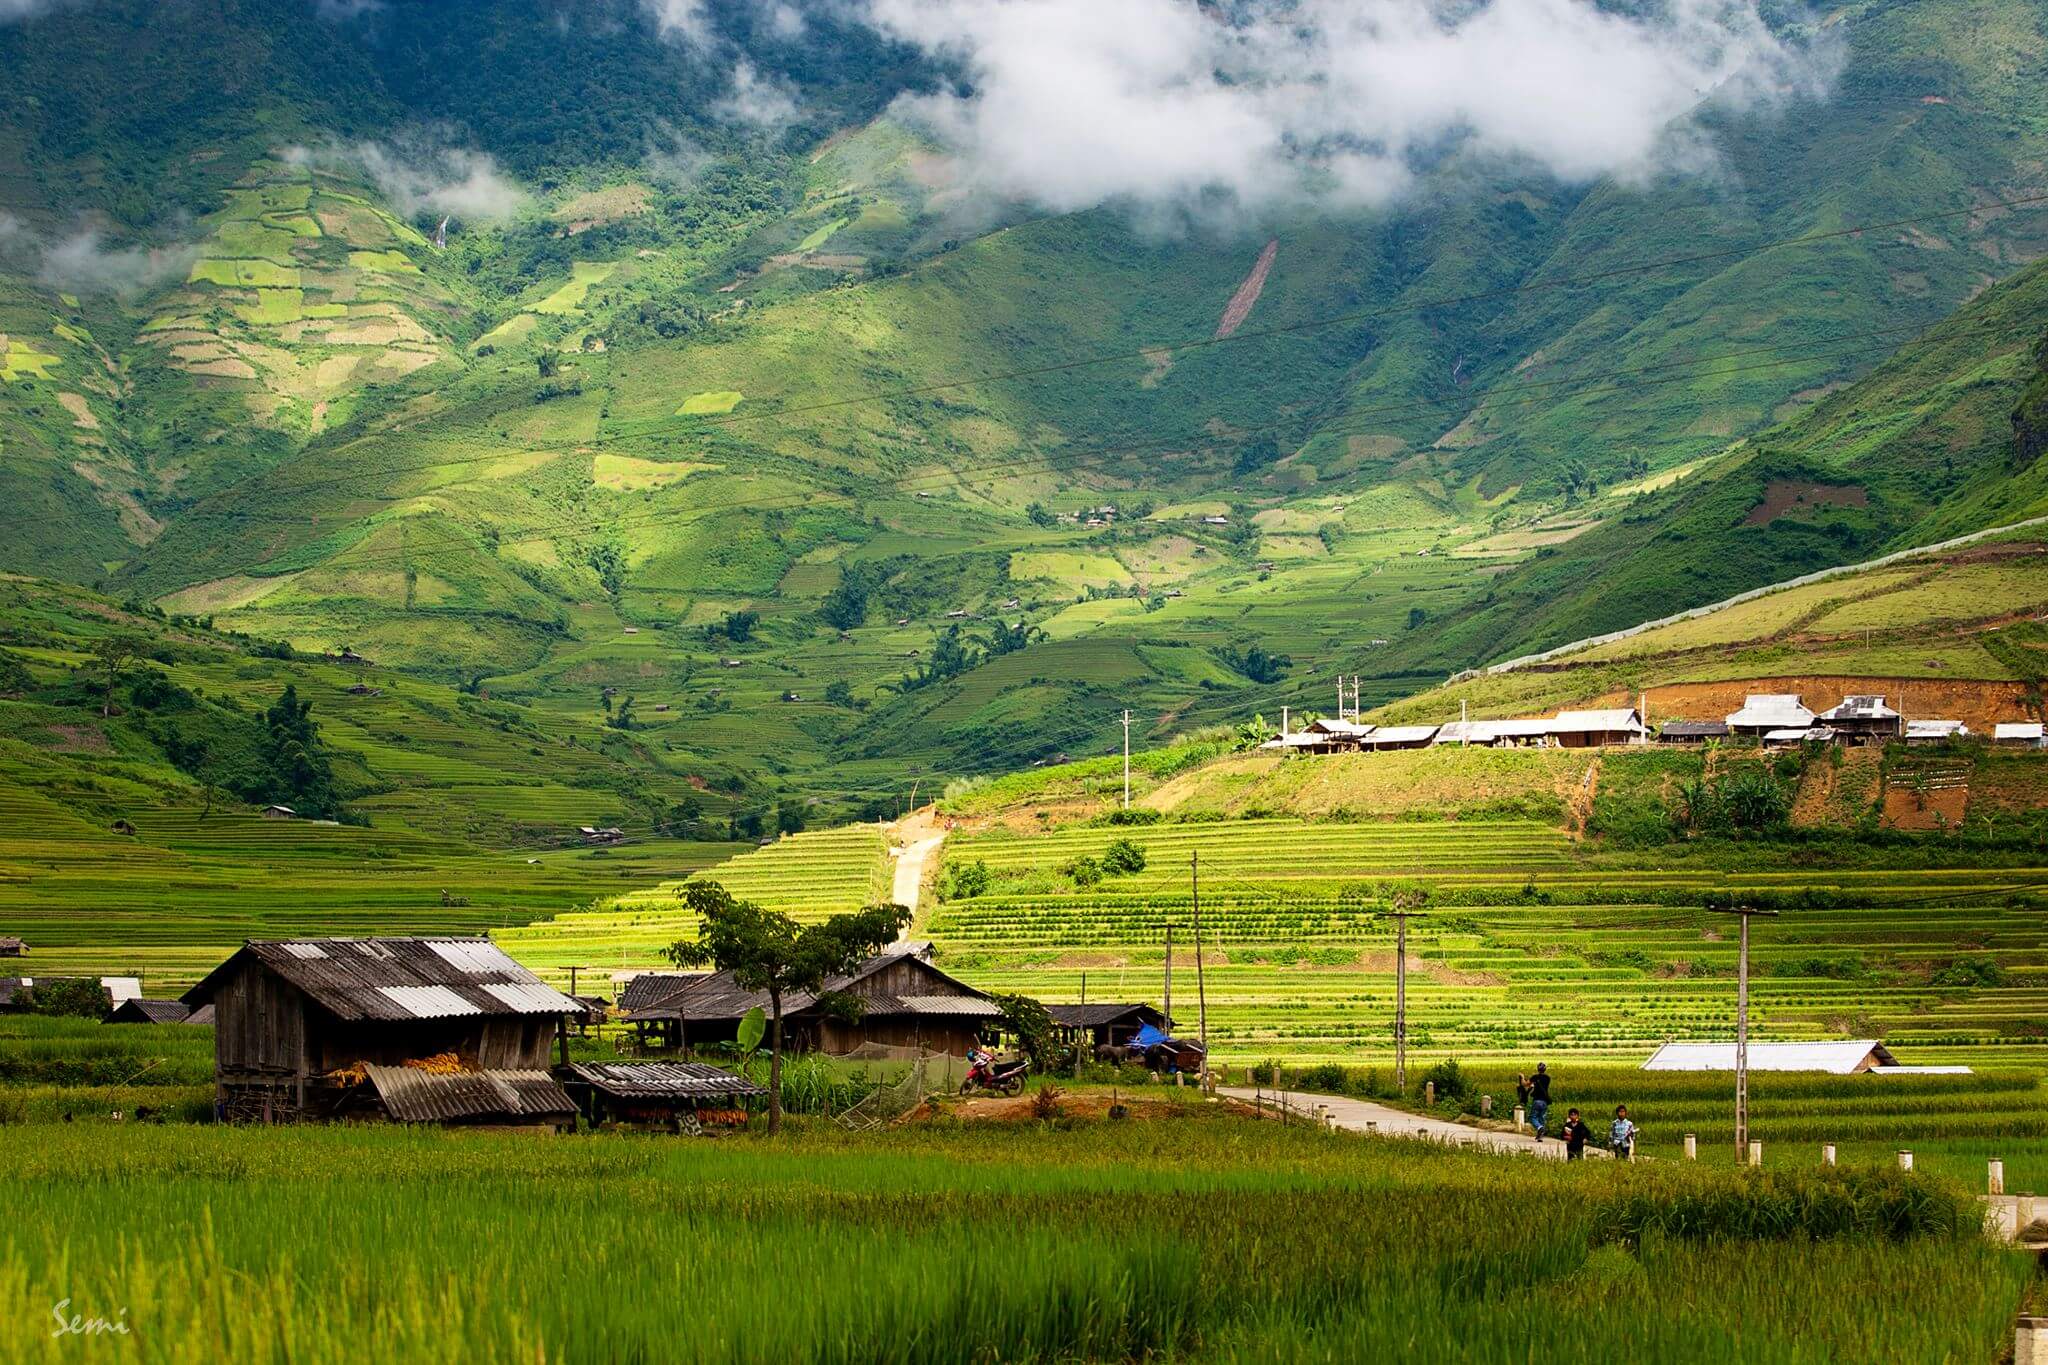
(984,1072)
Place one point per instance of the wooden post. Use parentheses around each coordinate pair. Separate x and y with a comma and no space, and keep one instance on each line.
(1201,988)
(1429,1094)
(1995,1177)
(1827,1154)
(1692,1147)
(1167,1007)
(562,1036)
(1401,1002)
(1756,1154)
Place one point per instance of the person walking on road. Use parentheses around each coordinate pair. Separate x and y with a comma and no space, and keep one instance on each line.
(1621,1134)
(1539,1099)
(1575,1133)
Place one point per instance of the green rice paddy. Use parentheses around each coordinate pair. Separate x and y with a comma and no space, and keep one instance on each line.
(1201,1237)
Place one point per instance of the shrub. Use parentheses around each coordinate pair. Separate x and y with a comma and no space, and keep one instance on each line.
(1449,1078)
(1123,856)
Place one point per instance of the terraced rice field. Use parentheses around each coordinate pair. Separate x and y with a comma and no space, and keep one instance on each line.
(1527,948)
(805,875)
(170,901)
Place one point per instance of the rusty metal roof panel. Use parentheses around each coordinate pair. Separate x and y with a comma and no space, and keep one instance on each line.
(663,1080)
(399,978)
(413,1096)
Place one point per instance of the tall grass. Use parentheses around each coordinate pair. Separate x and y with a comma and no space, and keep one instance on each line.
(1201,1239)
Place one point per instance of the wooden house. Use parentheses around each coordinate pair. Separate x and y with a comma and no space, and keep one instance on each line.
(1763,712)
(140,1011)
(1597,729)
(1104,1026)
(896,999)
(1863,718)
(302,1028)
(1692,731)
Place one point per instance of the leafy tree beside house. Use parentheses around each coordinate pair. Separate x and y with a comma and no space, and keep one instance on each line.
(766,950)
(299,769)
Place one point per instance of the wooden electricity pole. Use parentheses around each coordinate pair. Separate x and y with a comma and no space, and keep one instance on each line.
(1127,759)
(1167,1008)
(1745,913)
(1201,990)
(1404,909)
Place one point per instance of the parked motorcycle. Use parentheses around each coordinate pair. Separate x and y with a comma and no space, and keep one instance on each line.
(984,1072)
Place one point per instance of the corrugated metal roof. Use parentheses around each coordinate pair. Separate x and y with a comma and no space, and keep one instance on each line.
(1838,1058)
(398,978)
(429,1002)
(2020,729)
(1401,734)
(1695,729)
(413,1096)
(717,996)
(1935,729)
(1095,1016)
(202,1015)
(1771,711)
(663,1080)
(138,1010)
(1860,706)
(935,1004)
(1593,722)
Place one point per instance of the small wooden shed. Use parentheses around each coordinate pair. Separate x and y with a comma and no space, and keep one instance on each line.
(1106,1025)
(298,1023)
(679,1096)
(140,1011)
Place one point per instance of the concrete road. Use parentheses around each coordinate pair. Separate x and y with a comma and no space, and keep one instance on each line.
(1363,1116)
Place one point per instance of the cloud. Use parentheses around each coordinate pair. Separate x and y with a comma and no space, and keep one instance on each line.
(83,264)
(761,101)
(680,21)
(342,11)
(20,11)
(419,174)
(670,158)
(1075,103)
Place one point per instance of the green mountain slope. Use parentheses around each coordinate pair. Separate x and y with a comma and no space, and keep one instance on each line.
(683,372)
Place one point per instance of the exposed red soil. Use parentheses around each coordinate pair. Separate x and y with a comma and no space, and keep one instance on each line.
(1976,702)
(1241,303)
(1942,808)
(1782,496)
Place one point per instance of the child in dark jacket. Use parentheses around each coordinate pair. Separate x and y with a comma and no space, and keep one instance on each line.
(1575,1134)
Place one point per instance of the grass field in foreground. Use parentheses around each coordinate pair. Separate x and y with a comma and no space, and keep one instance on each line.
(1204,1237)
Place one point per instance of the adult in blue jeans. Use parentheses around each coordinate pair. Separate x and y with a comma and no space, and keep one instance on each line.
(1539,1099)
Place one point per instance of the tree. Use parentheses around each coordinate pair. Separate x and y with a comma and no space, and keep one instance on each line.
(766,950)
(1122,857)
(1255,663)
(1031,1024)
(1041,515)
(549,363)
(112,653)
(839,692)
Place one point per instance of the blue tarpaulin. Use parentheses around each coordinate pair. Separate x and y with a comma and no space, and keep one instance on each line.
(1147,1036)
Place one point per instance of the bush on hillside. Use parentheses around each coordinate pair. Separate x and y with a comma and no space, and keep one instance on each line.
(1122,857)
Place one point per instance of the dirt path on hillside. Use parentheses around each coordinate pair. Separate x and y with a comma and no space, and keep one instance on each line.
(915,841)
(1363,1116)
(1247,296)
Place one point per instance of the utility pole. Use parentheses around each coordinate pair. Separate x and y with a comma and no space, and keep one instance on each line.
(1464,724)
(1201,990)
(1127,758)
(1745,913)
(1404,909)
(1167,1008)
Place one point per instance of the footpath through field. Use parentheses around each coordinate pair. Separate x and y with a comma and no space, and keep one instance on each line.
(1361,1116)
(914,840)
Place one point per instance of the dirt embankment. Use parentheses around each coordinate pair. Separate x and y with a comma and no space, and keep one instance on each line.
(1977,703)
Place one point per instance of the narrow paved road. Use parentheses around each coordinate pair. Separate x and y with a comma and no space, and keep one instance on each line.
(1361,1116)
(913,842)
